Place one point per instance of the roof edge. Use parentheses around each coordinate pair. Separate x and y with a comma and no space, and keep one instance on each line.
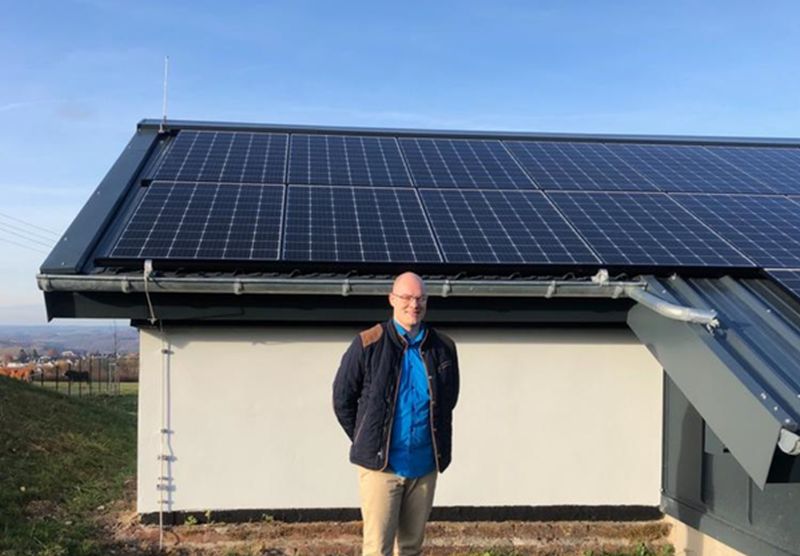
(135,283)
(73,248)
(174,125)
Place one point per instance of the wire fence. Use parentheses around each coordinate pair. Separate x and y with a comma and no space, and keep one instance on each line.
(88,376)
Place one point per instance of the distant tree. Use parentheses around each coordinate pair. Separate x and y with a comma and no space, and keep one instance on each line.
(22,357)
(35,355)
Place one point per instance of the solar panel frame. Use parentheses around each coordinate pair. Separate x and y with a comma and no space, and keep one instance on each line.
(565,165)
(312,233)
(200,220)
(685,168)
(644,228)
(211,156)
(491,226)
(463,163)
(367,161)
(764,228)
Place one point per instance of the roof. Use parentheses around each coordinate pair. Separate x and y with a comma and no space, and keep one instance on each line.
(556,221)
(533,204)
(685,239)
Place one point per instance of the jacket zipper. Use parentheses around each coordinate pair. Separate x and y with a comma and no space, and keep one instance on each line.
(391,419)
(430,414)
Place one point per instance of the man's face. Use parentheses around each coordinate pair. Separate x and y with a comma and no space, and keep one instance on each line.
(409,300)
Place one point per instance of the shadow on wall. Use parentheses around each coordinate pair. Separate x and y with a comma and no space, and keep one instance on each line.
(294,334)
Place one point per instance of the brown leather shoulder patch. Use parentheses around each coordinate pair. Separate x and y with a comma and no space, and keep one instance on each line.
(371,335)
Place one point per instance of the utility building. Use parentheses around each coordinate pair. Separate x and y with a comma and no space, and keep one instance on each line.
(626,309)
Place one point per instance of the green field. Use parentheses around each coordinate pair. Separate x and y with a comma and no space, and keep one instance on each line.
(81,388)
(61,458)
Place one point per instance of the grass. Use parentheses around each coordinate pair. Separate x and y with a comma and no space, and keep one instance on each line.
(125,388)
(61,457)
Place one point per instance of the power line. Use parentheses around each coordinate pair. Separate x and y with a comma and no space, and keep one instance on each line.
(28,229)
(24,246)
(29,224)
(25,237)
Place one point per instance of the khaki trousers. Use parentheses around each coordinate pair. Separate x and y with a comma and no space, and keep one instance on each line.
(395,510)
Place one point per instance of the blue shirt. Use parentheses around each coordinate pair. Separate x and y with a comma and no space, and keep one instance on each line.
(411,448)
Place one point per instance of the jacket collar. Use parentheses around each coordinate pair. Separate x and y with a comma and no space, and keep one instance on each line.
(391,330)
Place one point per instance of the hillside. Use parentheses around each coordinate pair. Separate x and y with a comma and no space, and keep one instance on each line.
(64,337)
(62,460)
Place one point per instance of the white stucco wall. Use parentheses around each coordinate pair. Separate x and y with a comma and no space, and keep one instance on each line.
(545,417)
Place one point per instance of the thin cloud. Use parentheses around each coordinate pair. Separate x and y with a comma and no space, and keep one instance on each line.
(23,104)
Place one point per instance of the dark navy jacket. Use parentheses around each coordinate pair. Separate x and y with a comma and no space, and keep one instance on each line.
(365,392)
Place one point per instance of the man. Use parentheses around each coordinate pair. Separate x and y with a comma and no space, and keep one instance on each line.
(394,395)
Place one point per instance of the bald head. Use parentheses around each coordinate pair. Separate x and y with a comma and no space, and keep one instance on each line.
(408,300)
(408,280)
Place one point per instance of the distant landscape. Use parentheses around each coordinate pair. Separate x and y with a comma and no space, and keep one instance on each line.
(79,339)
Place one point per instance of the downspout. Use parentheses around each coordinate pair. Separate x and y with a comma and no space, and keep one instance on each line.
(707,317)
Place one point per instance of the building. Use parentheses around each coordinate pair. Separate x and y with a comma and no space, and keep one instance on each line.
(626,310)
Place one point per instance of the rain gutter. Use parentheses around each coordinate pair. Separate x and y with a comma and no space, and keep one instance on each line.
(599,287)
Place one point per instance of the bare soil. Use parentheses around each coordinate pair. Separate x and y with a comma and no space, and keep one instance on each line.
(126,535)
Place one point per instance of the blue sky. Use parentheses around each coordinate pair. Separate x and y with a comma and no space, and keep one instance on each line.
(78,75)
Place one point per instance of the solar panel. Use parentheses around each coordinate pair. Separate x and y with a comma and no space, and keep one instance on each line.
(462,163)
(357,224)
(346,160)
(765,229)
(644,229)
(204,221)
(685,168)
(583,166)
(789,279)
(491,226)
(224,156)
(778,168)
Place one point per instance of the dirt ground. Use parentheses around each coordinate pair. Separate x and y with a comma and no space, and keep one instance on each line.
(126,535)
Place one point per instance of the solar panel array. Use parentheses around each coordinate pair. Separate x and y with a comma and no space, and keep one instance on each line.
(582,166)
(684,168)
(358,224)
(489,226)
(346,160)
(765,229)
(644,229)
(462,163)
(225,156)
(176,220)
(363,198)
(778,168)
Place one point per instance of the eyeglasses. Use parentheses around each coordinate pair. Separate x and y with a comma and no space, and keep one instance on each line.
(406,298)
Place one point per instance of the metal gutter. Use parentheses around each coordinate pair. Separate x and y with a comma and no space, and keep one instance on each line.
(154,124)
(599,287)
(135,283)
